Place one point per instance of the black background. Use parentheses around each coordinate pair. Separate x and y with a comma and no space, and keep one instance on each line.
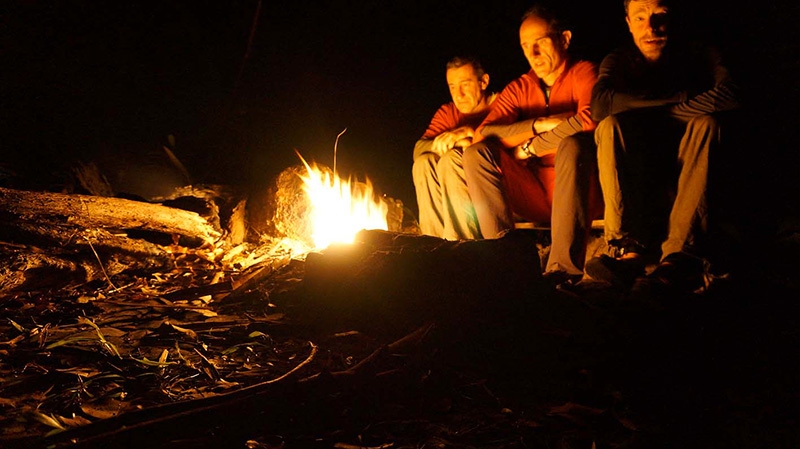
(87,78)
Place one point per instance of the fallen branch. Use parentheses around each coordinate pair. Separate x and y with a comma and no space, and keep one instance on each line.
(87,211)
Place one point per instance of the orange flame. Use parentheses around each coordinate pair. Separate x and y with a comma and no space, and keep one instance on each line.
(339,208)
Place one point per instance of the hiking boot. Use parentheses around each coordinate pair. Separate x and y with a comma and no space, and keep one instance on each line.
(679,272)
(619,272)
(560,278)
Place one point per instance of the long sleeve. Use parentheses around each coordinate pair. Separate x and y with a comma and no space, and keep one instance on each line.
(690,81)
(612,94)
(446,118)
(523,100)
(723,96)
(581,81)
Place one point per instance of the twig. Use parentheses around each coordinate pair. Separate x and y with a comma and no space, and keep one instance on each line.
(335,147)
(114,287)
(100,262)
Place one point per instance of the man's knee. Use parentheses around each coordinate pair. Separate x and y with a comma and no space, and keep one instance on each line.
(476,155)
(576,149)
(606,127)
(424,165)
(450,159)
(706,122)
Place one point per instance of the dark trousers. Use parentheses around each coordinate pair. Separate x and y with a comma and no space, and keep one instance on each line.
(653,173)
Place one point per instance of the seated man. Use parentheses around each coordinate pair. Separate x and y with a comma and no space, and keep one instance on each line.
(535,154)
(658,103)
(444,207)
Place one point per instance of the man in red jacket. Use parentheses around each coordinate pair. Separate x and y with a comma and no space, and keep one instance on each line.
(535,154)
(442,197)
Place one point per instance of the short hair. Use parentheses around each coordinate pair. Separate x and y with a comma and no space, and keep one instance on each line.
(549,14)
(627,4)
(462,60)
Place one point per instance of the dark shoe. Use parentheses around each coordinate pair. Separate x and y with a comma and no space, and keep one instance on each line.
(621,272)
(626,245)
(556,279)
(679,272)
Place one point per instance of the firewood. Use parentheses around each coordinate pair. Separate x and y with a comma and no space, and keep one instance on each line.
(89,211)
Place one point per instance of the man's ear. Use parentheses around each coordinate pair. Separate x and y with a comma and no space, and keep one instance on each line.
(566,37)
(484,81)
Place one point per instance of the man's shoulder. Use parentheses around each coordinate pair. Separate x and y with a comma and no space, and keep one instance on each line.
(446,108)
(627,51)
(582,66)
(527,78)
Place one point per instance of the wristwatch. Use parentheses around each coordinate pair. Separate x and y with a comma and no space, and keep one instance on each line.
(526,148)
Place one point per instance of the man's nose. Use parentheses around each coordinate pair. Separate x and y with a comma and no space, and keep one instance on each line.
(657,23)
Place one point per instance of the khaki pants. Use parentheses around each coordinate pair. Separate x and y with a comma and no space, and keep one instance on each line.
(565,195)
(445,209)
(653,174)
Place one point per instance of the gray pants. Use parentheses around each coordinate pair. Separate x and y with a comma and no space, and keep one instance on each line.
(445,209)
(571,217)
(654,179)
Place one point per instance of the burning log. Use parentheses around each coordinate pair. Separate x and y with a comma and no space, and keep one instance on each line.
(87,211)
(286,207)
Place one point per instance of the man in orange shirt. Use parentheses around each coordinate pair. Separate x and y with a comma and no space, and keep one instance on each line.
(534,156)
(444,207)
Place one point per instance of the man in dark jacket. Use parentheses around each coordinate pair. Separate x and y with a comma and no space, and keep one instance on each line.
(658,103)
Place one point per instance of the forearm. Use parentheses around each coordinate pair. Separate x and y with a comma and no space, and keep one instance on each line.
(546,143)
(721,98)
(608,102)
(510,135)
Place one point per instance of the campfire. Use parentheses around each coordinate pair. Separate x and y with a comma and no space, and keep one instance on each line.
(340,208)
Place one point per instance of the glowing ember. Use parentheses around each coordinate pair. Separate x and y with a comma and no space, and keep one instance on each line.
(340,209)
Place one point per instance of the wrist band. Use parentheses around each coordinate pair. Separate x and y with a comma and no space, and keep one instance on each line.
(526,148)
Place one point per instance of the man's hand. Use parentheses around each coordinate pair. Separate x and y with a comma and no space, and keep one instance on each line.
(545,124)
(459,137)
(523,151)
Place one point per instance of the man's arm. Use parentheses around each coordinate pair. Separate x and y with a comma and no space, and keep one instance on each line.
(583,76)
(607,99)
(512,134)
(460,137)
(442,121)
(548,131)
(723,96)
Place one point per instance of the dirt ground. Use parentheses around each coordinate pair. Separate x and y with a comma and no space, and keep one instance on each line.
(357,348)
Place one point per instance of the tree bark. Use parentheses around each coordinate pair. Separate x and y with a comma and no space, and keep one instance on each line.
(89,211)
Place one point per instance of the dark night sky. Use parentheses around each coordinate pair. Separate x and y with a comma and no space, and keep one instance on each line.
(88,78)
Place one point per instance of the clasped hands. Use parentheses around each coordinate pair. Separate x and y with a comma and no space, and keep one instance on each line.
(459,137)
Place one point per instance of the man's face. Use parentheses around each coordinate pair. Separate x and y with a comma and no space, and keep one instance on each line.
(647,22)
(546,53)
(468,91)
